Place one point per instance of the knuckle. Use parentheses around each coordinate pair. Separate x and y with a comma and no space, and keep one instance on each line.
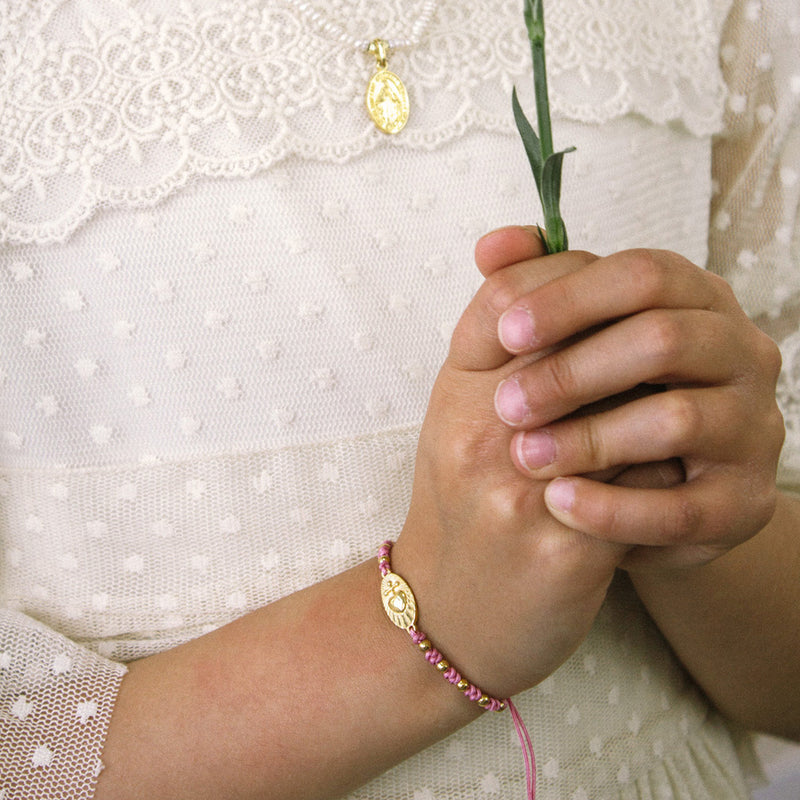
(499,291)
(684,523)
(648,276)
(589,445)
(681,421)
(559,375)
(664,342)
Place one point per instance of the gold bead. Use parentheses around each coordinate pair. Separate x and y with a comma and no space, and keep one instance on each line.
(425,645)
(483,701)
(502,707)
(443,666)
(462,685)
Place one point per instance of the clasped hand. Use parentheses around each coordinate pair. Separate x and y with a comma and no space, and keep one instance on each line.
(592,413)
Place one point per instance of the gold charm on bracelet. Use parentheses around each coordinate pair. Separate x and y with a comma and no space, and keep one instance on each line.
(398,601)
(387,98)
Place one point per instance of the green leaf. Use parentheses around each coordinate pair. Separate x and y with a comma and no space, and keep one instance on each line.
(551,198)
(529,140)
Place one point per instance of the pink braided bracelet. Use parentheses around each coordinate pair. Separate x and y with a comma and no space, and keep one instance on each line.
(401,608)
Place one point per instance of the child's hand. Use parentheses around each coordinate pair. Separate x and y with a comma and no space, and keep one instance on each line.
(505,590)
(597,330)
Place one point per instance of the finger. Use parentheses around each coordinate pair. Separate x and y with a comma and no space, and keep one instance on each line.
(474,345)
(653,347)
(506,246)
(609,288)
(700,516)
(680,423)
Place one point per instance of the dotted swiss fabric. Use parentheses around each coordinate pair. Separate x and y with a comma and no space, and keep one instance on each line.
(225,297)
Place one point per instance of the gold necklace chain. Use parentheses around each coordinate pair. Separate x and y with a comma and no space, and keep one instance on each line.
(386,96)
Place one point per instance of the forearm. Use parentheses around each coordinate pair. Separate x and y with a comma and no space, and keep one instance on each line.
(305,698)
(735,624)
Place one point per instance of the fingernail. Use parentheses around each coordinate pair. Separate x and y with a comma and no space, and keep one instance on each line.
(509,402)
(515,329)
(560,495)
(535,450)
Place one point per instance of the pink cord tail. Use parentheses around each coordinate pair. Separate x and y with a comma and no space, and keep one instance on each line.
(527,750)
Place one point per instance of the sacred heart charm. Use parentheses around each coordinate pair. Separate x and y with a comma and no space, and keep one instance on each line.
(398,601)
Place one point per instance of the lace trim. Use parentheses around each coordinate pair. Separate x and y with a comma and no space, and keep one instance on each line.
(121,105)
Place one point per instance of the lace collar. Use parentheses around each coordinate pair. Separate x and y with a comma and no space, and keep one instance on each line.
(120,103)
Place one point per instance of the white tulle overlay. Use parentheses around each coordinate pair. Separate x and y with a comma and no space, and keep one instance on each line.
(225,297)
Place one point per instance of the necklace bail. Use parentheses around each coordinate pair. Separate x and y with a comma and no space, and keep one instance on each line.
(380,49)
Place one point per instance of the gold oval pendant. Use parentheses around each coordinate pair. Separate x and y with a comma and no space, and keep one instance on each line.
(387,101)
(398,601)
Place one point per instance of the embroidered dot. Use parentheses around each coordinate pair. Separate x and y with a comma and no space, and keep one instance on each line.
(310,311)
(13,440)
(215,318)
(301,516)
(175,359)
(490,784)
(133,563)
(68,562)
(377,408)
(162,528)
(195,488)
(256,281)
(163,291)
(329,472)
(58,491)
(199,563)
(203,252)
(73,300)
(573,716)
(101,434)
(22,708)
(236,601)
(86,367)
(20,270)
(240,214)
(190,426)
(324,378)
(282,417)
(551,769)
(42,756)
(123,329)
(230,525)
(34,338)
(96,529)
(108,261)
(47,406)
(229,388)
(261,482)
(100,601)
(613,696)
(85,710)
(270,561)
(747,259)
(635,724)
(127,491)
(624,774)
(579,794)
(139,396)
(363,341)
(5,660)
(349,275)
(296,245)
(62,664)
(269,349)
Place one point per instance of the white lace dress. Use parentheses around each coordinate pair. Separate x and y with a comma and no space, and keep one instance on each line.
(225,296)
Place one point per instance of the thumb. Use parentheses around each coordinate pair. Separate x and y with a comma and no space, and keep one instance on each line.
(506,246)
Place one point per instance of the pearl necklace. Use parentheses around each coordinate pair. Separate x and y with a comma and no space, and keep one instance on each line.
(386,96)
